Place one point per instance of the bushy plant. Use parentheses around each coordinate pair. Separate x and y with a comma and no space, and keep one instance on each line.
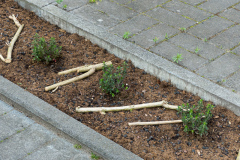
(195,118)
(112,80)
(43,51)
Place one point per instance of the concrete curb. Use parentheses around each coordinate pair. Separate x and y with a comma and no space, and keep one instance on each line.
(151,63)
(19,98)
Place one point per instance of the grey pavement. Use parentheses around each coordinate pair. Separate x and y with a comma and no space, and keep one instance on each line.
(205,32)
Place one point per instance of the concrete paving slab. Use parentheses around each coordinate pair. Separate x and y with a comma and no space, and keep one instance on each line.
(193,2)
(144,5)
(186,10)
(191,43)
(110,9)
(236,51)
(71,4)
(220,68)
(158,31)
(58,149)
(231,14)
(134,25)
(4,108)
(227,39)
(5,131)
(210,27)
(95,16)
(19,145)
(169,50)
(237,6)
(123,1)
(16,120)
(233,82)
(216,6)
(170,18)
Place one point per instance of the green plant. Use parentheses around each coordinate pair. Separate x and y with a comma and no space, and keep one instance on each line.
(195,118)
(166,36)
(197,50)
(182,29)
(43,51)
(112,80)
(155,40)
(126,34)
(94,1)
(205,40)
(177,58)
(59,1)
(64,6)
(94,156)
(77,146)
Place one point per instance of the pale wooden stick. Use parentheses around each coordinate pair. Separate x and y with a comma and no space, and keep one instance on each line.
(90,72)
(238,157)
(10,47)
(102,110)
(85,68)
(153,123)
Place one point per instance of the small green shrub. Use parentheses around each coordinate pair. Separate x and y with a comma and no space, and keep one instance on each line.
(112,80)
(43,51)
(195,118)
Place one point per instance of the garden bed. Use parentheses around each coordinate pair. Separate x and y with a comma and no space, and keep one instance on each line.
(149,142)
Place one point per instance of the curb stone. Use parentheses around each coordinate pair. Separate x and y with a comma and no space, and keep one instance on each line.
(151,63)
(19,98)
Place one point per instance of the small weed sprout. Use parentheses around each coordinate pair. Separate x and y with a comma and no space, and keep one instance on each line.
(177,58)
(195,118)
(205,40)
(94,156)
(112,81)
(183,29)
(77,146)
(126,35)
(166,36)
(64,6)
(197,50)
(43,51)
(59,1)
(94,1)
(155,40)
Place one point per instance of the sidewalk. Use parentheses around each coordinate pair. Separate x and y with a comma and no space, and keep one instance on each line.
(23,138)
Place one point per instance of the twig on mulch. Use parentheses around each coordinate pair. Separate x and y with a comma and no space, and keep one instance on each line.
(85,68)
(90,72)
(10,46)
(90,68)
(102,110)
(154,123)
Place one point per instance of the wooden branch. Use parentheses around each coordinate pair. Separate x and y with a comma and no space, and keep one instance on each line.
(154,123)
(85,68)
(10,47)
(90,72)
(102,110)
(238,157)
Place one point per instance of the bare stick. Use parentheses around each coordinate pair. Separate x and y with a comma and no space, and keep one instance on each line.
(153,123)
(238,157)
(10,47)
(90,72)
(85,68)
(139,106)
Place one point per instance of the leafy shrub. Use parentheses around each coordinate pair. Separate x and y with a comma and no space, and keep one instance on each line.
(195,118)
(112,80)
(43,51)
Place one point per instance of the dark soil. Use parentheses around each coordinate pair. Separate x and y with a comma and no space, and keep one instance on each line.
(149,142)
